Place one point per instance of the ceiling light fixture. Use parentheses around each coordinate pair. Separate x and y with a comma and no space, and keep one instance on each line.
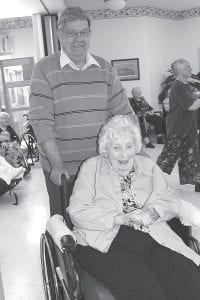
(115,4)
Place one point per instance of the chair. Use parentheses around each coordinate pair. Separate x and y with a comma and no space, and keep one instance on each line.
(150,128)
(63,277)
(147,127)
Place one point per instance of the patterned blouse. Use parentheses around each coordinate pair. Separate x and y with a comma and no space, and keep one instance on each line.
(128,196)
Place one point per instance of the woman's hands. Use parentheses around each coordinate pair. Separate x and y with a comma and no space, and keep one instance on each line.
(140,219)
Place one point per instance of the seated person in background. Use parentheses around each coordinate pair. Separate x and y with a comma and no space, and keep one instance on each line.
(6,128)
(119,206)
(145,114)
(8,173)
(9,143)
(4,136)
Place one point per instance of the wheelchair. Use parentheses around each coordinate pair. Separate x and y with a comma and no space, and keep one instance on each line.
(4,188)
(28,144)
(63,277)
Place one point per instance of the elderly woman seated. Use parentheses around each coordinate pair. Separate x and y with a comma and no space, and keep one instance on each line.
(9,143)
(119,207)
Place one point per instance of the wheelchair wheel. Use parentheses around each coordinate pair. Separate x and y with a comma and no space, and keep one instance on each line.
(52,286)
(29,148)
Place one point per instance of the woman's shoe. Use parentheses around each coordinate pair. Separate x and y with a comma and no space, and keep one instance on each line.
(150,145)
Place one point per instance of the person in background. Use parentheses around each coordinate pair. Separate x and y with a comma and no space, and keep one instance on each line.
(9,143)
(181,128)
(146,115)
(119,207)
(72,94)
(6,129)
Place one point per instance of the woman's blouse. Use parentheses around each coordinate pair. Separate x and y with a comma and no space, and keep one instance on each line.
(97,199)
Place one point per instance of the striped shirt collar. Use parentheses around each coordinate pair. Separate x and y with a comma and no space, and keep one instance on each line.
(65,60)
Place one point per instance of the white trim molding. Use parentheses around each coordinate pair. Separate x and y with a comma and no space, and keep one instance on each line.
(145,11)
(140,11)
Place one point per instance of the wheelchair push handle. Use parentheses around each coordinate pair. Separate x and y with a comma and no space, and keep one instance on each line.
(64,184)
(65,194)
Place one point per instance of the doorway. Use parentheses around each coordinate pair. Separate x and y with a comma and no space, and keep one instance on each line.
(15,76)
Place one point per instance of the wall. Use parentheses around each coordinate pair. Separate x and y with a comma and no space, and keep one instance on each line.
(191,41)
(165,44)
(155,41)
(123,38)
(23,43)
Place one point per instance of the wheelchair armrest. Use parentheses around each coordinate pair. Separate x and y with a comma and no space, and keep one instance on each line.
(68,242)
(60,233)
(189,214)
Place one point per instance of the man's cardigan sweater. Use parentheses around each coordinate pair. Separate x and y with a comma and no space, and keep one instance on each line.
(71,106)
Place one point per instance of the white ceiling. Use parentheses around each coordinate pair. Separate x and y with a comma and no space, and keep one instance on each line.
(168,4)
(18,8)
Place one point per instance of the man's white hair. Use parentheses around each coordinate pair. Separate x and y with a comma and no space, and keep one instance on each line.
(177,66)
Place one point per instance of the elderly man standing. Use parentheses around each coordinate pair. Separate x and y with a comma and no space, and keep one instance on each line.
(72,94)
(181,125)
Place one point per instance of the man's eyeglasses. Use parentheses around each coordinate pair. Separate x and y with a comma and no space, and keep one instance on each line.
(75,34)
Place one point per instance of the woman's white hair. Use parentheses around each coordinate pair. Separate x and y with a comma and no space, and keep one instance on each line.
(118,126)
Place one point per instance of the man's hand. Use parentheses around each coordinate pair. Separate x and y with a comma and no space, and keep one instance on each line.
(56,172)
(51,150)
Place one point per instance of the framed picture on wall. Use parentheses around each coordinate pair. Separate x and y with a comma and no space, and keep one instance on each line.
(127,69)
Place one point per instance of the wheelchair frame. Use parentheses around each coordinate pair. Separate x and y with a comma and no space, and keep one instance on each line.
(68,280)
(63,283)
(9,188)
(29,147)
(63,278)
(60,278)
